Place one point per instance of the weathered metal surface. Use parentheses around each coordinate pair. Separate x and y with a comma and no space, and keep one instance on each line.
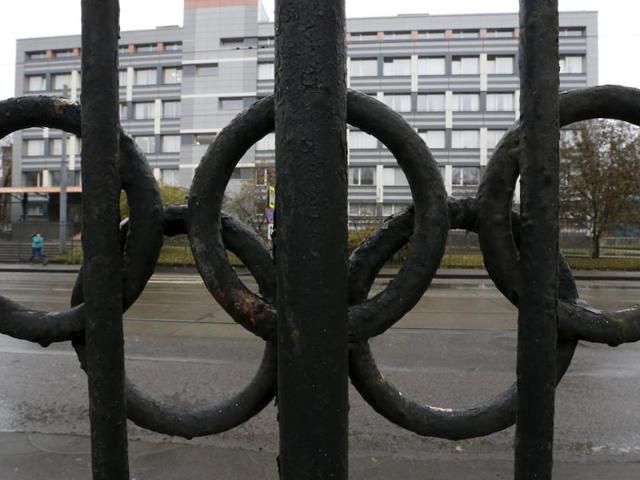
(100,239)
(313,309)
(311,225)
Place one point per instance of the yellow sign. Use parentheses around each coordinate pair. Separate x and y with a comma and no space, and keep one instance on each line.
(272,197)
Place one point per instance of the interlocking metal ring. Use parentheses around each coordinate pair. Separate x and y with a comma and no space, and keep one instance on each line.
(369,318)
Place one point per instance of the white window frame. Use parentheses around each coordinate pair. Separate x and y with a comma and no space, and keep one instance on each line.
(463,182)
(174,105)
(147,143)
(145,76)
(426,102)
(172,75)
(395,177)
(397,67)
(465,65)
(465,139)
(500,102)
(34,147)
(363,67)
(432,66)
(434,138)
(147,107)
(466,102)
(42,87)
(170,144)
(400,102)
(56,78)
(500,65)
(355,176)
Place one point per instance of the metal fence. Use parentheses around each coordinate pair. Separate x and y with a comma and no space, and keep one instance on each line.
(313,309)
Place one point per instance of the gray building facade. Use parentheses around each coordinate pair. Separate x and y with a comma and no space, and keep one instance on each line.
(453,77)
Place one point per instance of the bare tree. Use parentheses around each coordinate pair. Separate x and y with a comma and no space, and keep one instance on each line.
(249,204)
(599,177)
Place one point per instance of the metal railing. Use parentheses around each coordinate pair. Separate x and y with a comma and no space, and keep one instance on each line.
(313,308)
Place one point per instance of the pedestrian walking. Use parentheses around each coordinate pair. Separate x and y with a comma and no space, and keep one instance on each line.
(37,248)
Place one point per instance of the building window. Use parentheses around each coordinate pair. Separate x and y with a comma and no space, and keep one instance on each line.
(363,67)
(397,35)
(266,71)
(146,76)
(32,179)
(465,66)
(232,42)
(362,209)
(465,176)
(207,70)
(499,65)
(465,34)
(431,66)
(36,83)
(146,143)
(432,35)
(124,111)
(500,102)
(398,102)
(204,139)
(170,143)
(63,53)
(364,36)
(55,145)
(143,110)
(433,138)
(171,109)
(170,176)
(499,33)
(34,148)
(466,102)
(395,177)
(171,75)
(266,42)
(262,176)
(389,209)
(61,80)
(571,64)
(123,78)
(242,174)
(362,176)
(572,31)
(431,102)
(396,67)
(36,55)
(268,142)
(465,139)
(493,137)
(173,46)
(146,48)
(361,140)
(231,104)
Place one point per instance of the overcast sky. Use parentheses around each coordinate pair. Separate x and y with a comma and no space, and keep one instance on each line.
(618,30)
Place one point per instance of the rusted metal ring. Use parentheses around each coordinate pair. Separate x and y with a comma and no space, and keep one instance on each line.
(190,422)
(144,240)
(477,420)
(369,318)
(576,320)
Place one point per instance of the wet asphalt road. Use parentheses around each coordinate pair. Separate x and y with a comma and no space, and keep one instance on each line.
(456,348)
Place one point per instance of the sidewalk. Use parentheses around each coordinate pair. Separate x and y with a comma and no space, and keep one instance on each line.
(386,273)
(32,456)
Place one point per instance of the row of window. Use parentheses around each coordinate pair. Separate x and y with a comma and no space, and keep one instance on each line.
(433,138)
(168,176)
(438,35)
(395,177)
(460,65)
(138,48)
(147,143)
(168,143)
(171,109)
(150,47)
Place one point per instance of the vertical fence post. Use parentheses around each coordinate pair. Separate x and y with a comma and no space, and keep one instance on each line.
(539,167)
(311,176)
(102,260)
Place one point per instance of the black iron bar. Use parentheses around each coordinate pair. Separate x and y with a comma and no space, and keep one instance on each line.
(102,259)
(311,201)
(539,167)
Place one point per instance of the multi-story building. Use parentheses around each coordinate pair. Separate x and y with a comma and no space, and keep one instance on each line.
(453,77)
